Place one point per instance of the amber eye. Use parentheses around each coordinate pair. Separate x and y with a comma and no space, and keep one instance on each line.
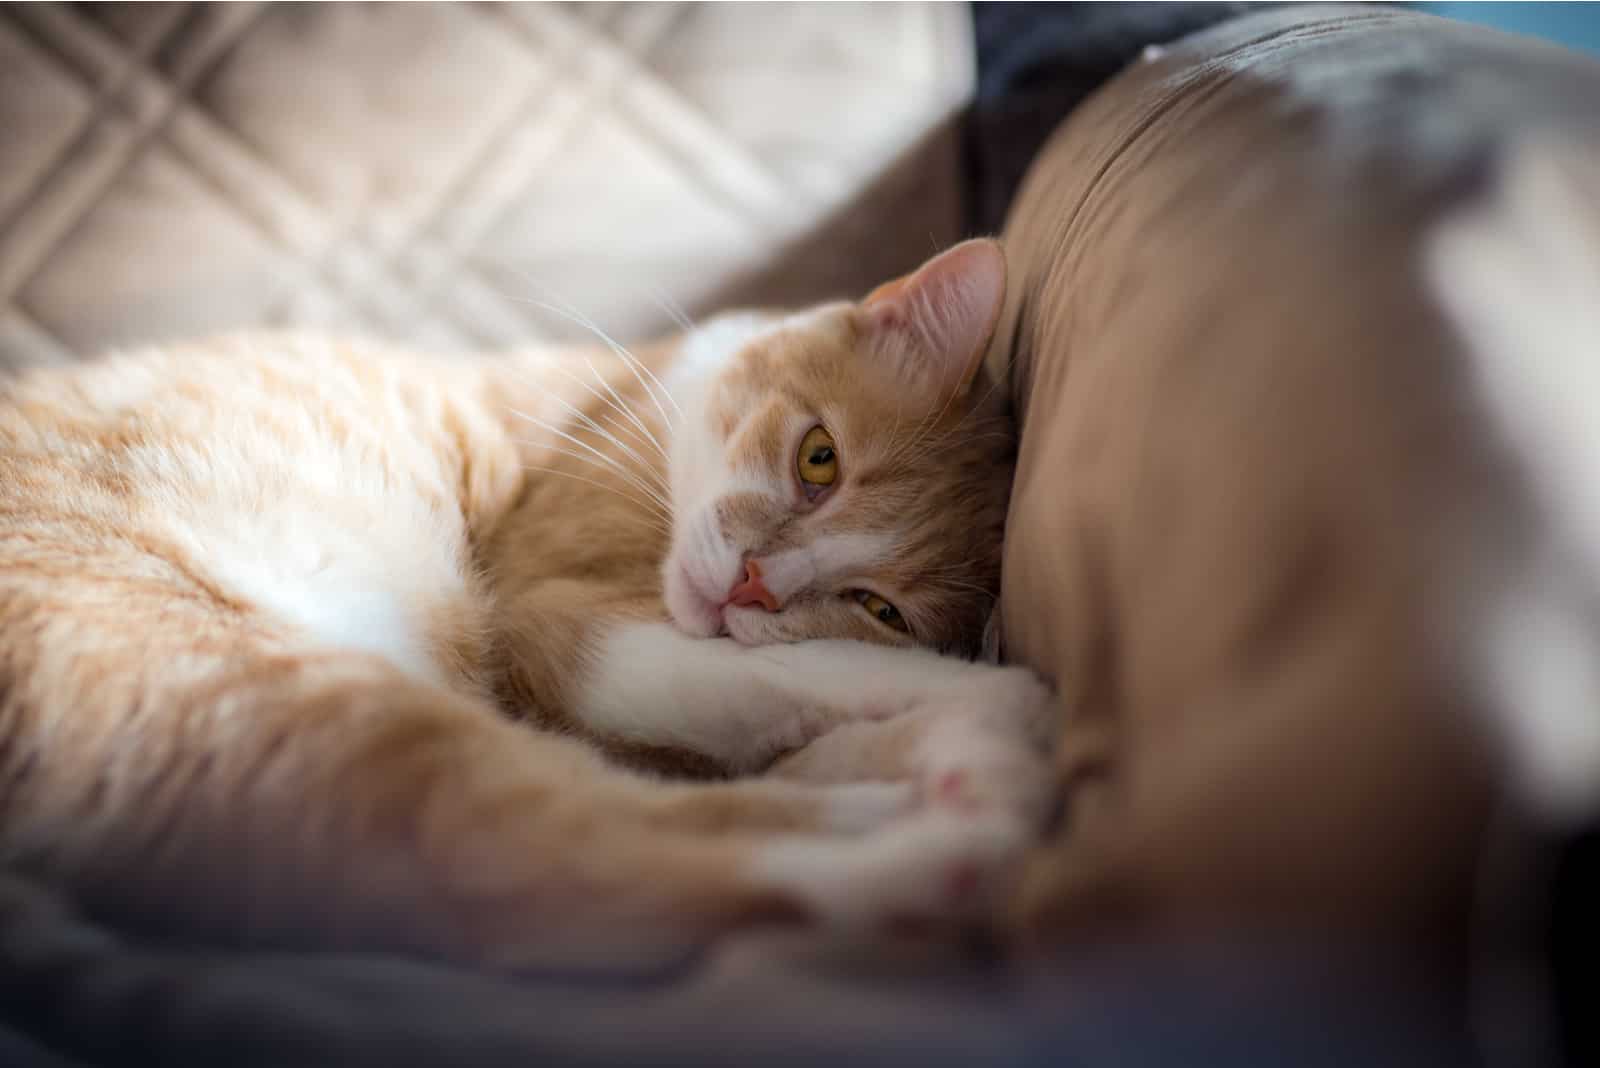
(882,611)
(817,461)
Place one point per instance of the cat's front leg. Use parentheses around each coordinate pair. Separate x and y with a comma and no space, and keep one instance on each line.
(744,707)
(650,684)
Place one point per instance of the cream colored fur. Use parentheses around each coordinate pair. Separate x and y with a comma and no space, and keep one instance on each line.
(272,608)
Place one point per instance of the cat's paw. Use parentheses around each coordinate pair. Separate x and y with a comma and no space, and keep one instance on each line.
(986,748)
(854,808)
(937,866)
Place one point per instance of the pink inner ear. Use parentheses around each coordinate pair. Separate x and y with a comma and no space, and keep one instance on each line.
(938,320)
(888,314)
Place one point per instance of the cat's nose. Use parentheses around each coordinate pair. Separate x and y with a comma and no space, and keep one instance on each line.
(752,590)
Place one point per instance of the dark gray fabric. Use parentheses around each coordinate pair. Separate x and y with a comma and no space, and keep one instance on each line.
(1036,62)
(74,995)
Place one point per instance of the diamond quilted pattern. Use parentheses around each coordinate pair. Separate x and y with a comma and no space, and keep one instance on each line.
(612,181)
(156,218)
(432,172)
(415,94)
(41,108)
(136,25)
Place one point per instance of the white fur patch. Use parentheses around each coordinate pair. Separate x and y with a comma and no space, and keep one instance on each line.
(651,684)
(332,535)
(707,348)
(1519,277)
(696,452)
(313,574)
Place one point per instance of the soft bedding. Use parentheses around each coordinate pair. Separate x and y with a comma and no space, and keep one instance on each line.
(163,184)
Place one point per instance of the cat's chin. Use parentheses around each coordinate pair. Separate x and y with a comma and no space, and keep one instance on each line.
(691,612)
(701,621)
(747,626)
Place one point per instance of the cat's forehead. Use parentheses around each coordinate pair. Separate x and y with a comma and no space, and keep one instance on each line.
(820,362)
(894,444)
(815,352)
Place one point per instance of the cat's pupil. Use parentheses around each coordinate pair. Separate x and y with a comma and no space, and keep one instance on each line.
(821,456)
(886,613)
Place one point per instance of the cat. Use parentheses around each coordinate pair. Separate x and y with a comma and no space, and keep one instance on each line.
(310,642)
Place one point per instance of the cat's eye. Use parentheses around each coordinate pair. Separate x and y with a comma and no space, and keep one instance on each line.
(882,611)
(817,462)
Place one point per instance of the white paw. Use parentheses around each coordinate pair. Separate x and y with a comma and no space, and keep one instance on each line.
(986,748)
(935,866)
(1011,699)
(864,806)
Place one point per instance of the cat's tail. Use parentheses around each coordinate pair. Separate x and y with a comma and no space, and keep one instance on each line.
(1518,275)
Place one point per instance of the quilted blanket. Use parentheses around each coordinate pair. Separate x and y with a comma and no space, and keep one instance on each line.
(437,172)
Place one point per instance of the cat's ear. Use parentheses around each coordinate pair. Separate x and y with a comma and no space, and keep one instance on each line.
(936,322)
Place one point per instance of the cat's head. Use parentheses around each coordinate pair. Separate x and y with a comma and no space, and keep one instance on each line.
(844,472)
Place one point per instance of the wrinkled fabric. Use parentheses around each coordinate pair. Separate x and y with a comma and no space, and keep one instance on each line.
(1254,483)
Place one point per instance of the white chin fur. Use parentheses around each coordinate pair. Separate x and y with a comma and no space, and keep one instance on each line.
(698,572)
(745,625)
(691,613)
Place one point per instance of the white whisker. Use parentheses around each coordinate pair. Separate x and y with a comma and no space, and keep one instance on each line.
(653,524)
(671,307)
(926,425)
(632,362)
(935,443)
(622,408)
(608,436)
(956,584)
(978,406)
(598,377)
(571,314)
(658,503)
(918,432)
(653,504)
(611,462)
(940,414)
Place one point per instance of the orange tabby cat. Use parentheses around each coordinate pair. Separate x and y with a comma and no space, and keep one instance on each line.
(271,608)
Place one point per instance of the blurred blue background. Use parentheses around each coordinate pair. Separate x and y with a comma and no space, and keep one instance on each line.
(1574,25)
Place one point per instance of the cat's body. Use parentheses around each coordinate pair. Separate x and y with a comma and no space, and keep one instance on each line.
(270,607)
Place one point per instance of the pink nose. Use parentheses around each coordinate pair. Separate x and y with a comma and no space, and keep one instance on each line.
(752,590)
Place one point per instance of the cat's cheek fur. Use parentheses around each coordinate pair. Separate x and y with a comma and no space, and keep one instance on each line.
(699,570)
(690,612)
